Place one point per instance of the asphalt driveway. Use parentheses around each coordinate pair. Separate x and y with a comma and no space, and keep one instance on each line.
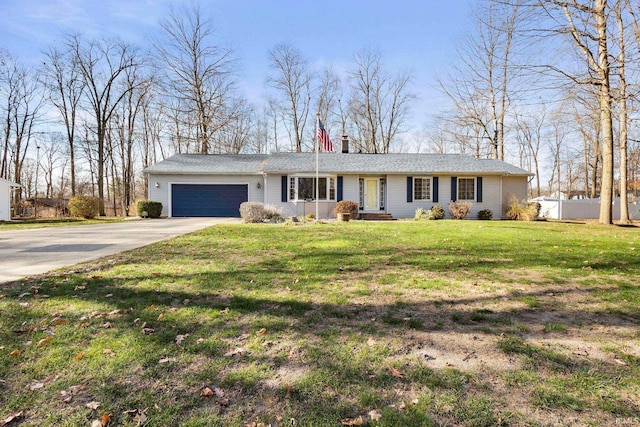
(35,251)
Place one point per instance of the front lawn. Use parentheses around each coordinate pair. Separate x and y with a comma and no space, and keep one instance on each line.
(386,324)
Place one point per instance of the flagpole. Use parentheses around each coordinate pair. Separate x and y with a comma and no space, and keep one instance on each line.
(317,165)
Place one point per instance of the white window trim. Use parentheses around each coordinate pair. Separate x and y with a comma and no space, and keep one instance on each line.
(475,188)
(295,189)
(430,178)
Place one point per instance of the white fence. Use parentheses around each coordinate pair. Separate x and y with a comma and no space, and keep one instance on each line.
(581,209)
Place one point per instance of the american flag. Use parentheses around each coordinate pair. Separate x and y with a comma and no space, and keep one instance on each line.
(323,137)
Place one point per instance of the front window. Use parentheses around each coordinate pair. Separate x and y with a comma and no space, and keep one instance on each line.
(466,188)
(422,189)
(304,188)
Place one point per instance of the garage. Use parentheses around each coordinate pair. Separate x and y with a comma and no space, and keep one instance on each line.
(208,200)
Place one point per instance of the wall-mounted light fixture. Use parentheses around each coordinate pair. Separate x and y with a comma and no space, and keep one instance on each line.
(157,185)
(258,185)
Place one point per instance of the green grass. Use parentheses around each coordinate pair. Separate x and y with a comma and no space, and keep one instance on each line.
(328,322)
(54,222)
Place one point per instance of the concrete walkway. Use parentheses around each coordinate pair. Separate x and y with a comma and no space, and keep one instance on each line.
(35,251)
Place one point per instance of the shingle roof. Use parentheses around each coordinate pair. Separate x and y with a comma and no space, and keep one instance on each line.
(351,163)
(209,164)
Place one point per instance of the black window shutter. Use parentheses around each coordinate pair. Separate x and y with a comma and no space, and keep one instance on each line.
(454,188)
(479,189)
(284,189)
(339,189)
(409,189)
(434,184)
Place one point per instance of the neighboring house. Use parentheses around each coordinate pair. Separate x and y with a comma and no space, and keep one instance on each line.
(5,198)
(397,184)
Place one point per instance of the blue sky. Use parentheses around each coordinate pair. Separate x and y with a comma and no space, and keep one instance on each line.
(417,34)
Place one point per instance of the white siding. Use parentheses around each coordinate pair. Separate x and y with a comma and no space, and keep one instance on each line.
(513,186)
(274,197)
(5,201)
(162,192)
(399,207)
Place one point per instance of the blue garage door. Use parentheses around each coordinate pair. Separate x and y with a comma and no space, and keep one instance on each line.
(208,200)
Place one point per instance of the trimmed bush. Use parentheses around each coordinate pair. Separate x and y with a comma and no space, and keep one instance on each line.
(254,212)
(86,207)
(520,210)
(459,210)
(346,206)
(437,211)
(153,209)
(485,214)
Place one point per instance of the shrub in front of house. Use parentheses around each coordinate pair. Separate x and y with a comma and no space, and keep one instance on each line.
(152,209)
(485,214)
(255,212)
(437,211)
(422,214)
(535,209)
(459,210)
(86,207)
(520,210)
(346,206)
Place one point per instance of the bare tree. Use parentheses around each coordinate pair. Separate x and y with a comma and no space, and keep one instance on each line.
(292,81)
(103,66)
(484,84)
(23,100)
(379,102)
(586,23)
(198,75)
(65,87)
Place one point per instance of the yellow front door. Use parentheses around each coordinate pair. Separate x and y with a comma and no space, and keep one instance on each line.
(371,194)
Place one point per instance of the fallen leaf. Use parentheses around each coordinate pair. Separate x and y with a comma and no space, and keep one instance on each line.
(78,356)
(148,331)
(218,391)
(415,402)
(374,415)
(395,372)
(167,360)
(160,316)
(96,423)
(223,402)
(288,395)
(371,342)
(180,338)
(11,418)
(107,325)
(93,405)
(402,406)
(14,353)
(353,422)
(44,341)
(104,421)
(36,385)
(59,322)
(262,332)
(199,340)
(108,352)
(620,362)
(206,392)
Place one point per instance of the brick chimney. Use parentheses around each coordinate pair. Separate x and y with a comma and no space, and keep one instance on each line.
(345,144)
